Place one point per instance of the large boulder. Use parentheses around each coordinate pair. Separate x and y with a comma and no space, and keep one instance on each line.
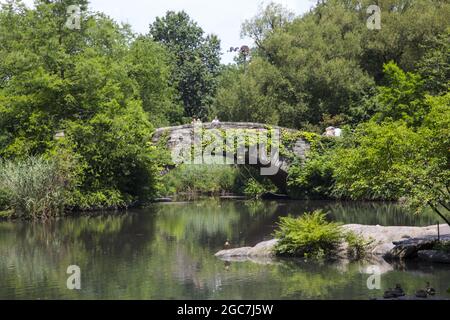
(408,249)
(385,239)
(263,249)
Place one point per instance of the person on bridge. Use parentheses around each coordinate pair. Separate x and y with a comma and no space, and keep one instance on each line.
(333,132)
(216,122)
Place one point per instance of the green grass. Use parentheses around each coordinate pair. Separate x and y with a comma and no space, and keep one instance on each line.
(208,179)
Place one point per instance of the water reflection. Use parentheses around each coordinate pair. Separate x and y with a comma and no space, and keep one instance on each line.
(166,252)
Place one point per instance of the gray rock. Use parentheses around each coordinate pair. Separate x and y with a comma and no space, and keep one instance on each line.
(387,235)
(408,249)
(382,249)
(234,253)
(263,249)
(387,242)
(434,256)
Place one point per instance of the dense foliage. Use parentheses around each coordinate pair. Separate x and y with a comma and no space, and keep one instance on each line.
(94,96)
(402,153)
(99,89)
(319,68)
(388,89)
(309,235)
(196,57)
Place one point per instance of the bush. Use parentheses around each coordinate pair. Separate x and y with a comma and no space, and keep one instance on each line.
(97,201)
(312,180)
(254,189)
(36,187)
(309,235)
(357,245)
(116,154)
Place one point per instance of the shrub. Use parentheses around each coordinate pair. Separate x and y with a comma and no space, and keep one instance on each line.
(312,180)
(254,189)
(309,235)
(99,200)
(36,187)
(357,245)
(116,154)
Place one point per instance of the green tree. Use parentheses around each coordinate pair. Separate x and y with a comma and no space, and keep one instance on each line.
(402,98)
(269,19)
(196,58)
(392,160)
(325,64)
(306,68)
(151,67)
(406,26)
(239,96)
(435,64)
(88,83)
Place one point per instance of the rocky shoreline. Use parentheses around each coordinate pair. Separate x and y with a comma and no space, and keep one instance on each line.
(388,243)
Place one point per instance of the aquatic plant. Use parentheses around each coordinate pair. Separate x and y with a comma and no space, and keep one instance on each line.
(36,187)
(310,235)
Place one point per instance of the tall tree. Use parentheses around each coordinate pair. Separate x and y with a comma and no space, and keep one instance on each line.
(197,60)
(325,64)
(89,83)
(268,20)
(435,64)
(151,67)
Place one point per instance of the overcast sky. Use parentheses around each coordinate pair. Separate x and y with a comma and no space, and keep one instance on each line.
(221,17)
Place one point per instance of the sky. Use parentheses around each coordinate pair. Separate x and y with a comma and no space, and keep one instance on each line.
(221,17)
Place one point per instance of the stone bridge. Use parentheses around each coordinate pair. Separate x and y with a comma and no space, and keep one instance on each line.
(291,145)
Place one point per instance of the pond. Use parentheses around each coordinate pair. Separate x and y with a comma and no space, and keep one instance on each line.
(167,252)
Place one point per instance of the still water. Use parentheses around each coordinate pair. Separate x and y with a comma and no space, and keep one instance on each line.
(167,252)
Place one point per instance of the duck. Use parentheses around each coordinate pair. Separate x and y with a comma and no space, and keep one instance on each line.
(394,293)
(429,290)
(389,294)
(421,294)
(398,291)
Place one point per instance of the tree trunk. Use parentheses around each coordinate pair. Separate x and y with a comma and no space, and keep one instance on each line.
(440,214)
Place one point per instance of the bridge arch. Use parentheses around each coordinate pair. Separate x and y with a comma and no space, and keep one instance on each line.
(297,147)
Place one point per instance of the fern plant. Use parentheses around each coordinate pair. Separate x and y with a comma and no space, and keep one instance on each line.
(308,236)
